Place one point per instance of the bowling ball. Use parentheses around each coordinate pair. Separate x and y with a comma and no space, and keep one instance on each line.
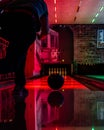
(55,99)
(55,81)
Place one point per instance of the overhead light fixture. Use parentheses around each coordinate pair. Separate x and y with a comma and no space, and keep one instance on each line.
(97,14)
(101,8)
(54,1)
(93,20)
(55,9)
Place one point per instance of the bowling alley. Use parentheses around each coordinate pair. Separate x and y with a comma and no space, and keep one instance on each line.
(52,65)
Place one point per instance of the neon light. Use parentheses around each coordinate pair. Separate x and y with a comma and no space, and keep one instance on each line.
(54,1)
(55,20)
(55,9)
(93,129)
(55,15)
(97,15)
(93,20)
(101,8)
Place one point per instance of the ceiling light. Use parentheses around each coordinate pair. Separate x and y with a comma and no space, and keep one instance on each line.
(55,9)
(101,8)
(55,20)
(97,15)
(54,1)
(93,20)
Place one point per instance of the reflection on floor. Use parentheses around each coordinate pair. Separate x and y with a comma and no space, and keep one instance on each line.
(79,108)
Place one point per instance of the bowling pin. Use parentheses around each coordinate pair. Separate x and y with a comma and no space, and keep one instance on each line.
(52,71)
(57,71)
(60,71)
(63,72)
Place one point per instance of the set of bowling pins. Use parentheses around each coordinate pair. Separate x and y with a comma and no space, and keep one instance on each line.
(60,71)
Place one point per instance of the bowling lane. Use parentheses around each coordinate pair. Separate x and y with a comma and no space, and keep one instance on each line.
(69,83)
(97,77)
(93,82)
(80,108)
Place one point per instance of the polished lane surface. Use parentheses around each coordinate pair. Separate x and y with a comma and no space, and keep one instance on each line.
(81,108)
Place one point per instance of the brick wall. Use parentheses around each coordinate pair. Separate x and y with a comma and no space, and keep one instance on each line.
(85,44)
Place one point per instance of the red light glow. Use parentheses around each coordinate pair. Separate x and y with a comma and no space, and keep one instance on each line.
(55,9)
(41,83)
(54,1)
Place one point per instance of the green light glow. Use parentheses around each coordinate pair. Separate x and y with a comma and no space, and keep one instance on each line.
(93,20)
(93,129)
(101,8)
(97,15)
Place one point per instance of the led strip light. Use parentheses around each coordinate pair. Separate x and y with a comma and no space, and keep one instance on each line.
(97,14)
(55,10)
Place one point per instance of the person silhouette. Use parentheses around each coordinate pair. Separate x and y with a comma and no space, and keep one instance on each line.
(20,20)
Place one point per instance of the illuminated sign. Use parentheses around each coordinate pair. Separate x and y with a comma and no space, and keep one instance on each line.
(100,38)
(100,110)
